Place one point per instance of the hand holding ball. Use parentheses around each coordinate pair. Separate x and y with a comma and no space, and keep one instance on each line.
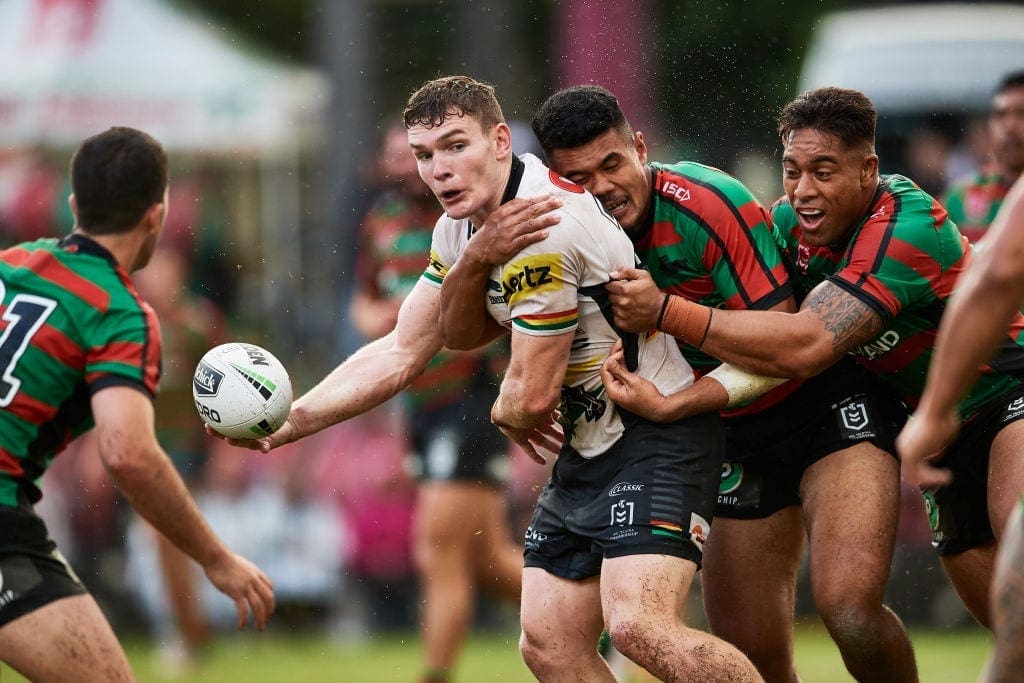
(242,391)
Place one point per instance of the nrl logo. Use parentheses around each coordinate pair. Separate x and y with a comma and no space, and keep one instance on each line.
(206,381)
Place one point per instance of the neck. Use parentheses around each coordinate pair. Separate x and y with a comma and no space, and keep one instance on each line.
(492,204)
(124,247)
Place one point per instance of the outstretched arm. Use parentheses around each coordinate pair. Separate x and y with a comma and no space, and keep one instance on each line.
(831,322)
(143,472)
(369,377)
(513,226)
(985,300)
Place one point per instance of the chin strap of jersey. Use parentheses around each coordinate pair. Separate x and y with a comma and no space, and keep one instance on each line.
(630,340)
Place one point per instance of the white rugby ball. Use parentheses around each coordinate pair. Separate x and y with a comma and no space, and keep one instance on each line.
(242,391)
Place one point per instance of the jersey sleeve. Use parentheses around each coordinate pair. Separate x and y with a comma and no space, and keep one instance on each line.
(124,348)
(443,252)
(899,256)
(744,261)
(541,284)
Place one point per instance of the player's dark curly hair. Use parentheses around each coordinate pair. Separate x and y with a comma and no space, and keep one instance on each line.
(574,116)
(1014,79)
(846,114)
(116,176)
(443,98)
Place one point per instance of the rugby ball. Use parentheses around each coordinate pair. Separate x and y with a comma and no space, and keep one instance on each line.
(242,391)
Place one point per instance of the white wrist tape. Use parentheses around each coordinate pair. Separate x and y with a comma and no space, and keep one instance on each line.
(741,385)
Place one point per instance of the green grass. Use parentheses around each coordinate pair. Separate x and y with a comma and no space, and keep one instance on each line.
(943,656)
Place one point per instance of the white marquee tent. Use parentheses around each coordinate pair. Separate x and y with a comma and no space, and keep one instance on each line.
(70,68)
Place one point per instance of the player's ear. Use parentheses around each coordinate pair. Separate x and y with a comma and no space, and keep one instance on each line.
(641,147)
(73,204)
(501,136)
(869,170)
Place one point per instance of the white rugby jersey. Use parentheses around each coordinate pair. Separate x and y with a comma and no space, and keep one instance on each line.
(549,288)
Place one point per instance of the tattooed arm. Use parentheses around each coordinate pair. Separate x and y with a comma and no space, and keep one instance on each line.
(830,323)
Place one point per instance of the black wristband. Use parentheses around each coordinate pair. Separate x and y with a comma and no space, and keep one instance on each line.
(661,313)
(707,328)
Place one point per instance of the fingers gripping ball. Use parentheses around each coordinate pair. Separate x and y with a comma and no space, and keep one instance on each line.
(242,391)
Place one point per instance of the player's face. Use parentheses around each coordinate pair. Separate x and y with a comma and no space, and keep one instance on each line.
(1006,127)
(828,184)
(613,168)
(463,165)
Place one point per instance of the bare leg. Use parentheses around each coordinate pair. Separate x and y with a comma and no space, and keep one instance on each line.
(970,573)
(1007,659)
(445,535)
(749,581)
(182,593)
(561,622)
(66,640)
(643,596)
(851,541)
(499,561)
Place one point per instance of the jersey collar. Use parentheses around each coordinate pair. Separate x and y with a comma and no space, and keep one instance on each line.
(76,242)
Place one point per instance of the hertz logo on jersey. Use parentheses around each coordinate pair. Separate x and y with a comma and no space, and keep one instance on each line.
(530,275)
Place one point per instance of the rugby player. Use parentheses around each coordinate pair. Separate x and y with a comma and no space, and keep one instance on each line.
(81,348)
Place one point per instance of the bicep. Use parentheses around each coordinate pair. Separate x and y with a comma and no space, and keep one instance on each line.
(124,419)
(843,322)
(415,333)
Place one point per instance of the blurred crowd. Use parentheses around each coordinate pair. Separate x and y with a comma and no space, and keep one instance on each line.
(329,519)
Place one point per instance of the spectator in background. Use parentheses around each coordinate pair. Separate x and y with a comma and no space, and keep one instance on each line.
(461,540)
(189,325)
(973,202)
(926,156)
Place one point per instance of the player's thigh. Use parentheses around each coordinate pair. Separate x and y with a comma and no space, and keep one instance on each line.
(66,640)
(749,574)
(645,586)
(851,509)
(451,511)
(558,611)
(1006,474)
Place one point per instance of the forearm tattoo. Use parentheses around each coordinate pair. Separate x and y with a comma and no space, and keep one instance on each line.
(850,321)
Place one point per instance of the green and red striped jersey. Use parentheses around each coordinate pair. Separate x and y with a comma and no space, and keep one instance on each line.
(974,201)
(72,323)
(394,241)
(708,239)
(902,259)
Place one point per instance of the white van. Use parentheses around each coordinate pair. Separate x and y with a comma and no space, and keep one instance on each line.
(918,58)
(930,69)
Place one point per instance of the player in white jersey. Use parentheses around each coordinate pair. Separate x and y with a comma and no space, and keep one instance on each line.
(616,536)
(555,287)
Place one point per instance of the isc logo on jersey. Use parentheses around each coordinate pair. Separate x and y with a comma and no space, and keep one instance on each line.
(531,275)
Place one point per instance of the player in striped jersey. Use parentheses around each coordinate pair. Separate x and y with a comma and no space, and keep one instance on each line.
(80,348)
(974,201)
(703,235)
(882,258)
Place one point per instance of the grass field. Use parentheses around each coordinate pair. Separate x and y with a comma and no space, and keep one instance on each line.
(954,656)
